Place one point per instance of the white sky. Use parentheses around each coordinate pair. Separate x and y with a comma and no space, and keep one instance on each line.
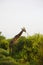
(14,14)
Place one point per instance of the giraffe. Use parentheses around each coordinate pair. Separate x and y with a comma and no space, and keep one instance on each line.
(15,39)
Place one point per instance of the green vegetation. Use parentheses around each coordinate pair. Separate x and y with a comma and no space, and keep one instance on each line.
(27,51)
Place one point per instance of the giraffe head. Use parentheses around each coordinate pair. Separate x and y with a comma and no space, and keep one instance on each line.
(23,29)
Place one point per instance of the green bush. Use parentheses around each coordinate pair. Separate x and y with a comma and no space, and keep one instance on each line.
(7,61)
(4,44)
(4,52)
(27,51)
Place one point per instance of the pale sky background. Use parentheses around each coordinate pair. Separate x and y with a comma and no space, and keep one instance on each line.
(15,14)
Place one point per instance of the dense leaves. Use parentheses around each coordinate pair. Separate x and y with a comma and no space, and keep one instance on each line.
(27,51)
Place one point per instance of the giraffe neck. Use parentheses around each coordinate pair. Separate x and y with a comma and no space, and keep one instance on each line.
(18,35)
(14,40)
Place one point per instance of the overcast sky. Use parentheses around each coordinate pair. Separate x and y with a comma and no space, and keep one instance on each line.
(15,14)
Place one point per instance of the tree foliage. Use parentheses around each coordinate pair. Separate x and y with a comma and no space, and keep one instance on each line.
(27,51)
